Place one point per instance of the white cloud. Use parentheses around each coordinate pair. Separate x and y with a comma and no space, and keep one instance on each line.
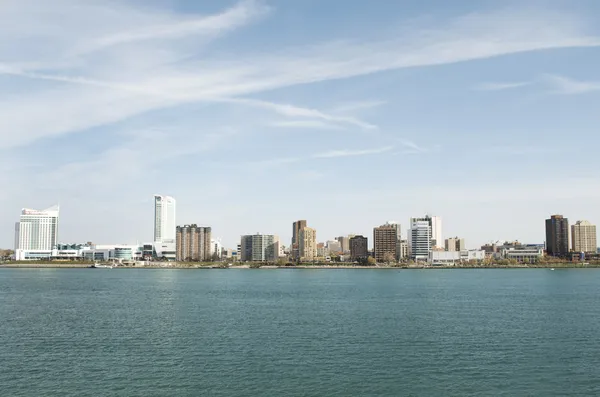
(357,105)
(211,26)
(153,68)
(559,84)
(308,124)
(568,86)
(347,153)
(501,86)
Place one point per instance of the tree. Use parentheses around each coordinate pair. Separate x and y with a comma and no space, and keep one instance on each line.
(388,257)
(371,261)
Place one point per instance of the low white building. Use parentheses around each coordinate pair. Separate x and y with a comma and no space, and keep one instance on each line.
(118,252)
(523,254)
(450,257)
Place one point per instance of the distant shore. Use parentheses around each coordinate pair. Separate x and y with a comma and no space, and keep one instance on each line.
(187,266)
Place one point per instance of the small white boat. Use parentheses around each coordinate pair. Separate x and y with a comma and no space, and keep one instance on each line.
(97,266)
(552,268)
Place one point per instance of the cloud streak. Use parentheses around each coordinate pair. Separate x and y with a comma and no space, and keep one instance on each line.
(152,67)
(501,86)
(352,153)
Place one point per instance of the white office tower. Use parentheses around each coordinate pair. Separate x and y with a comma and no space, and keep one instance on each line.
(36,233)
(165,227)
(436,231)
(420,236)
(216,248)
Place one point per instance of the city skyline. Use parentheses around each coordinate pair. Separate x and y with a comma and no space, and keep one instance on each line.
(453,108)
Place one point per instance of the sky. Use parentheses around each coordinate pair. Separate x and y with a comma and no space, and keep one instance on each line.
(254,114)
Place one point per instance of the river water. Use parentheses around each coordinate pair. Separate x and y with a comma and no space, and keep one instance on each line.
(120,332)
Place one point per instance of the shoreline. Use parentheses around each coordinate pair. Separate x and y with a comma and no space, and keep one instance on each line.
(302,267)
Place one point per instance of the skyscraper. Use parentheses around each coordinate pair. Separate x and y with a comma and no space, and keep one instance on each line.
(344,243)
(435,224)
(583,235)
(164,226)
(193,243)
(385,242)
(436,231)
(259,248)
(295,248)
(359,249)
(307,243)
(420,238)
(557,235)
(36,231)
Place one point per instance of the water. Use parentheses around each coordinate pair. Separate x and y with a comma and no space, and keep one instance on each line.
(86,332)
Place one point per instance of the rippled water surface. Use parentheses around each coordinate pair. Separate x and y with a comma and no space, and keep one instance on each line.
(100,332)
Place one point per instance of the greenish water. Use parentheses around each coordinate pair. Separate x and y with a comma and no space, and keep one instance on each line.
(96,332)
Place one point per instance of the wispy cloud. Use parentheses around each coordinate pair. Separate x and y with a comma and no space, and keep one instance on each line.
(210,26)
(413,148)
(569,86)
(156,68)
(296,111)
(357,105)
(348,153)
(558,84)
(501,86)
(308,124)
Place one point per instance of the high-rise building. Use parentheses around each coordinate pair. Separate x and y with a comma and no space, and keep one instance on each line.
(455,244)
(583,235)
(403,251)
(359,249)
(216,248)
(259,248)
(557,235)
(385,242)
(164,227)
(308,243)
(193,243)
(436,231)
(334,247)
(295,248)
(420,238)
(344,244)
(36,231)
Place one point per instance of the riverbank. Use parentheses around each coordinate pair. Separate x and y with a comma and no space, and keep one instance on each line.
(169,265)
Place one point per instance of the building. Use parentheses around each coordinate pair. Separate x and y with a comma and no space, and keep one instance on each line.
(193,243)
(455,244)
(36,233)
(449,257)
(216,249)
(114,252)
(307,244)
(344,244)
(359,248)
(321,250)
(436,231)
(497,246)
(522,253)
(385,242)
(334,247)
(403,250)
(165,227)
(295,247)
(583,235)
(259,248)
(557,236)
(420,238)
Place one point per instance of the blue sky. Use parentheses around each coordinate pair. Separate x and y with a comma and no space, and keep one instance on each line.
(253,114)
